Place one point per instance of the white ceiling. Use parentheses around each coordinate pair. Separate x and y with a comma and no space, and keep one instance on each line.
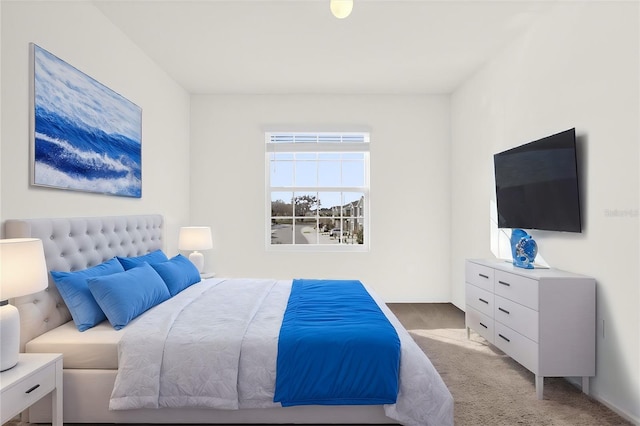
(297,46)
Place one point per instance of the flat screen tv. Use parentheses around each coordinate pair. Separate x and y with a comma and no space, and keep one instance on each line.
(537,185)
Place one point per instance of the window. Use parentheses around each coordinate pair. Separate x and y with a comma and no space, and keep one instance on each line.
(317,191)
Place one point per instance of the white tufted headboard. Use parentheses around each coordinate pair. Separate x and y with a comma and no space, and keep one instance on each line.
(72,244)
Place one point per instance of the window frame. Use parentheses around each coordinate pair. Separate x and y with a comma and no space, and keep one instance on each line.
(344,145)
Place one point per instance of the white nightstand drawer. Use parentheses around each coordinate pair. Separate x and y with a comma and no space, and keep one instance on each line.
(479,275)
(35,375)
(479,299)
(518,347)
(479,322)
(517,317)
(24,393)
(520,289)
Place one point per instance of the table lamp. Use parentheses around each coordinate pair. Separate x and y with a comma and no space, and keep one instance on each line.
(195,238)
(22,271)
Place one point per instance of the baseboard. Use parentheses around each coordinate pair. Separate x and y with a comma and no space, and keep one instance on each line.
(575,381)
(622,413)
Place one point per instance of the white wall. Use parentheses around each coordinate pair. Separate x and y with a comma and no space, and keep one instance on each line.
(79,34)
(409,189)
(0,112)
(578,68)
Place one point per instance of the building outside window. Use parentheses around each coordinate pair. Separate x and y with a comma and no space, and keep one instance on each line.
(317,191)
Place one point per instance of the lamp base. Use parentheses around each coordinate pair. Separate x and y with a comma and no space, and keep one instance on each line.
(9,336)
(197,259)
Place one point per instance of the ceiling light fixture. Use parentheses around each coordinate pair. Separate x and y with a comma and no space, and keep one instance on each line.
(341,8)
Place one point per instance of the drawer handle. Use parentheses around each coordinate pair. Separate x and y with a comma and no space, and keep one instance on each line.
(33,388)
(482,300)
(504,283)
(484,276)
(504,337)
(504,310)
(483,325)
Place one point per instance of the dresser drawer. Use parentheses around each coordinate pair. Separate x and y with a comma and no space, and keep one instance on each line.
(518,347)
(26,392)
(517,317)
(479,322)
(520,289)
(479,299)
(479,275)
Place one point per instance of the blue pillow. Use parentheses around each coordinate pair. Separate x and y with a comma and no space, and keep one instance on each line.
(125,295)
(132,262)
(178,273)
(74,291)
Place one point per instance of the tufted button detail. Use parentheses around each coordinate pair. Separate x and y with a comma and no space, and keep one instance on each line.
(58,305)
(35,301)
(70,234)
(61,254)
(51,237)
(46,289)
(46,320)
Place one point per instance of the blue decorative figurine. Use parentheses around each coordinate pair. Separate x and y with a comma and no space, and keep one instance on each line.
(523,249)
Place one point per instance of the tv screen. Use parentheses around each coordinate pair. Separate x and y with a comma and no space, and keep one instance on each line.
(537,185)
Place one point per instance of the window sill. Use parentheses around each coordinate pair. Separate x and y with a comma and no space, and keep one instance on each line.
(315,248)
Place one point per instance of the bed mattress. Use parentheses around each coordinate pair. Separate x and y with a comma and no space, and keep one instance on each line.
(96,348)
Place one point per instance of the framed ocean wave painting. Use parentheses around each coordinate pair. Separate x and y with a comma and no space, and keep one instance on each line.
(85,136)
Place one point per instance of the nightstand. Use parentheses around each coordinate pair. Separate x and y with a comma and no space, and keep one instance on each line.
(35,376)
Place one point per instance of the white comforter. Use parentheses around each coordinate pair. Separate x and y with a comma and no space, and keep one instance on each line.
(216,342)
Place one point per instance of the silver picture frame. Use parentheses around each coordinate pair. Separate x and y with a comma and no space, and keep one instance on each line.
(84,136)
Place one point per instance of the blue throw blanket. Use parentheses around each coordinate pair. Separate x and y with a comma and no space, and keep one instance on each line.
(336,347)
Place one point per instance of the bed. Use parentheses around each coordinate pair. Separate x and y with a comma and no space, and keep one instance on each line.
(91,357)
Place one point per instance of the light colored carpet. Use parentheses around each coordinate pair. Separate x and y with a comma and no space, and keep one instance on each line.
(489,388)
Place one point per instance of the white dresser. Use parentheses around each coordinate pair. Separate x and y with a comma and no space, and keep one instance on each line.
(545,319)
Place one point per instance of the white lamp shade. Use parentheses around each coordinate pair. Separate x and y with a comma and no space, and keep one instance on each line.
(22,267)
(195,238)
(22,271)
(341,8)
